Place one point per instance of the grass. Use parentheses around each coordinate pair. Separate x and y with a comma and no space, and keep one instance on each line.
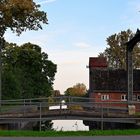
(69,133)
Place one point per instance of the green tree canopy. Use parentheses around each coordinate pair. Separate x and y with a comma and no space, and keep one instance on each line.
(116,52)
(77,90)
(26,72)
(20,15)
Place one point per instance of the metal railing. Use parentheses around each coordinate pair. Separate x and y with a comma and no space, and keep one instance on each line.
(67,107)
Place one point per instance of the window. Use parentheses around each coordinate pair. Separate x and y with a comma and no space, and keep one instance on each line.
(104,97)
(123,97)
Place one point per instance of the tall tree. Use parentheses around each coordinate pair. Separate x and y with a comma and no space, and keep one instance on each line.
(77,90)
(116,52)
(19,15)
(27,72)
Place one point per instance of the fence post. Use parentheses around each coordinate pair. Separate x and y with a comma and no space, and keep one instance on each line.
(102,115)
(69,100)
(60,104)
(24,107)
(40,117)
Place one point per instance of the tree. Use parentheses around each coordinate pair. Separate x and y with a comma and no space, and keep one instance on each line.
(56,93)
(19,15)
(27,72)
(116,52)
(77,90)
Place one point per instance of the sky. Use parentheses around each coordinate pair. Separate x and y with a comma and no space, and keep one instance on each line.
(77,30)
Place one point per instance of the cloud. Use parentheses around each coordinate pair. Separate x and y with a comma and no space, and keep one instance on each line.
(46,1)
(82,45)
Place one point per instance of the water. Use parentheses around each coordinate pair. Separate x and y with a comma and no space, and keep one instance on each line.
(69,125)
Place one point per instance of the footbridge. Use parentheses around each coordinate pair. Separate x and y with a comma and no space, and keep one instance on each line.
(68,108)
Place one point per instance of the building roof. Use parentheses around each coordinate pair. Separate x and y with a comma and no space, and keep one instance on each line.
(112,80)
(97,62)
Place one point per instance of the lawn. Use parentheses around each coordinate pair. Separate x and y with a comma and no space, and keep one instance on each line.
(69,133)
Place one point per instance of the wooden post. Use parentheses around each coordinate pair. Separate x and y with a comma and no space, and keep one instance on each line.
(129,62)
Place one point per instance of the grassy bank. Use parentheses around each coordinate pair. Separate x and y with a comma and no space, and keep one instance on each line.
(69,133)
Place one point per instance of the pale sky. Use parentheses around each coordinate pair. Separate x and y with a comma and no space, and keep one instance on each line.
(78,30)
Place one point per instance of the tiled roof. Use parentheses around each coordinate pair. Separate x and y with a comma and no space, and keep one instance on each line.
(97,62)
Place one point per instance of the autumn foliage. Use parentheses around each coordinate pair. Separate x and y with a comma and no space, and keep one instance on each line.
(77,90)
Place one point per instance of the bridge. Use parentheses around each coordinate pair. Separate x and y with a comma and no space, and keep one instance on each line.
(67,108)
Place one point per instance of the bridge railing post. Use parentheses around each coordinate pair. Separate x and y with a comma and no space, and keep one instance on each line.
(24,102)
(69,101)
(40,116)
(60,104)
(102,115)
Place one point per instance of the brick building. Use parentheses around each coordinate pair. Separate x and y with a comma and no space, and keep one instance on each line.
(110,85)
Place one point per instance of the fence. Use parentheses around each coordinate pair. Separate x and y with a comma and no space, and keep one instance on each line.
(67,107)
